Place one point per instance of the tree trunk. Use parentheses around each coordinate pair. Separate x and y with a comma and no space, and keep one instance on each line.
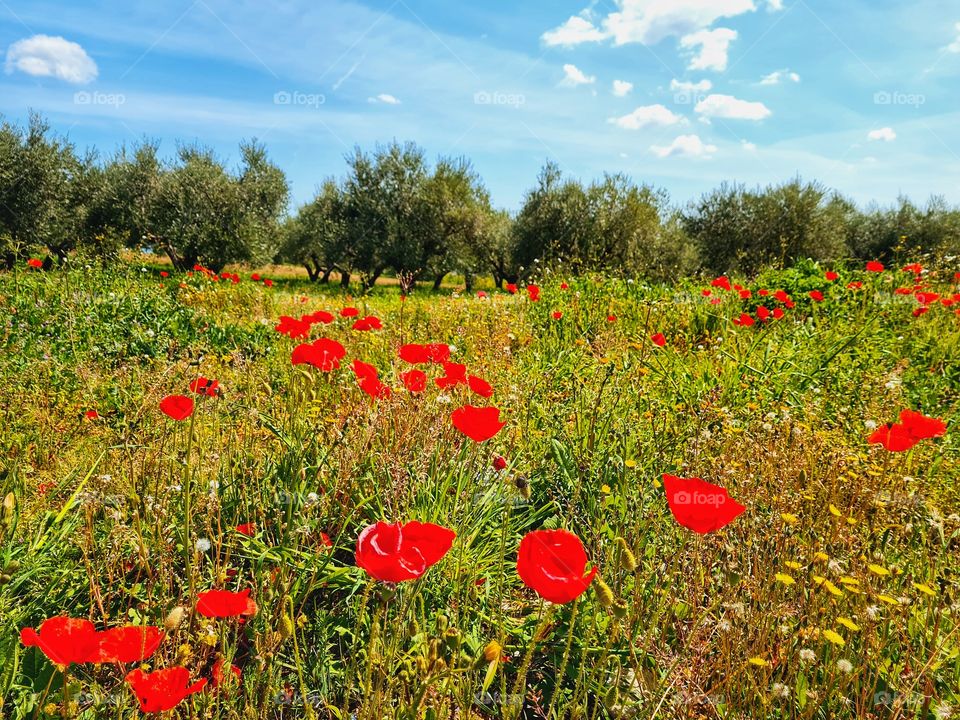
(312,272)
(326,276)
(438,281)
(344,279)
(468,281)
(498,281)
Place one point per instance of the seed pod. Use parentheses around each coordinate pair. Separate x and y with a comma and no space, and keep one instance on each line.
(286,627)
(628,560)
(9,505)
(12,567)
(443,623)
(620,609)
(174,618)
(604,593)
(523,486)
(611,698)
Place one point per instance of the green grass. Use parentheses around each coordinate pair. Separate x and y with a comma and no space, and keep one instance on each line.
(95,521)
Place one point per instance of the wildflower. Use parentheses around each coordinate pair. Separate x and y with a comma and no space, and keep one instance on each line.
(698,505)
(554,564)
(781,691)
(844,666)
(402,551)
(758,662)
(127,644)
(807,655)
(162,690)
(63,640)
(368,323)
(323,354)
(414,381)
(658,339)
(784,578)
(177,407)
(202,545)
(224,603)
(477,423)
(848,623)
(834,637)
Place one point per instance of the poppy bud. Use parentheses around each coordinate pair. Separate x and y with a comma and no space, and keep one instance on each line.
(604,593)
(4,579)
(286,627)
(492,651)
(442,623)
(9,505)
(413,628)
(628,560)
(619,609)
(434,651)
(174,618)
(522,485)
(611,698)
(451,640)
(11,567)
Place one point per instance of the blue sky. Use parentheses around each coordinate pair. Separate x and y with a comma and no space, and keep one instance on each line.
(682,94)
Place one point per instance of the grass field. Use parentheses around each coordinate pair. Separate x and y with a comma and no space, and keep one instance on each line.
(835,594)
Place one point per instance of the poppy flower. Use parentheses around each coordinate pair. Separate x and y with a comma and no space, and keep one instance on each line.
(745,294)
(402,551)
(830,275)
(34,263)
(921,311)
(178,407)
(557,314)
(744,320)
(128,644)
(658,339)
(454,374)
(63,640)
(903,291)
(203,386)
(368,323)
(777,313)
(912,428)
(248,529)
(414,353)
(533,292)
(763,313)
(349,312)
(706,292)
(816,295)
(721,282)
(874,266)
(414,381)
(915,268)
(611,318)
(698,505)
(716,301)
(480,386)
(321,316)
(268,283)
(162,690)
(925,298)
(374,387)
(855,285)
(564,286)
(499,463)
(255,277)
(553,563)
(91,415)
(477,423)
(481,294)
(323,353)
(292,327)
(224,604)
(219,677)
(512,288)
(782,296)
(763,292)
(164,273)
(364,370)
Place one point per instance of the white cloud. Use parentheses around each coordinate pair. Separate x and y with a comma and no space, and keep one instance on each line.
(384,98)
(774,4)
(954,47)
(573,76)
(748,146)
(621,87)
(729,107)
(649,21)
(714,46)
(883,134)
(685,145)
(690,87)
(46,56)
(778,76)
(574,31)
(647,116)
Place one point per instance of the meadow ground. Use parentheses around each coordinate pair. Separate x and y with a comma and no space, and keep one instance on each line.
(835,594)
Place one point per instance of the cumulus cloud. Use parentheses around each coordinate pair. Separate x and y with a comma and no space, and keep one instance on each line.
(648,21)
(729,107)
(384,98)
(954,47)
(779,76)
(685,145)
(714,46)
(47,56)
(647,116)
(885,134)
(621,87)
(573,76)
(690,87)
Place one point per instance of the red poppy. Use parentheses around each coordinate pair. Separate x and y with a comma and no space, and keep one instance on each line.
(164,273)
(512,288)
(921,311)
(956,276)
(219,677)
(364,370)
(763,313)
(431,352)
(744,320)
(248,529)
(91,415)
(564,286)
(414,381)
(658,339)
(611,318)
(925,298)
(480,386)
(368,323)
(63,640)
(320,316)
(782,296)
(553,563)
(830,275)
(128,644)
(374,387)
(903,291)
(533,292)
(716,301)
(203,386)
(557,314)
(223,604)
(162,690)
(816,295)
(34,263)
(855,285)
(255,277)
(698,505)
(268,283)
(402,551)
(721,282)
(499,463)
(706,292)
(178,407)
(915,268)
(763,292)
(323,353)
(454,374)
(777,313)
(292,327)
(477,423)
(874,266)
(481,294)
(348,312)
(745,294)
